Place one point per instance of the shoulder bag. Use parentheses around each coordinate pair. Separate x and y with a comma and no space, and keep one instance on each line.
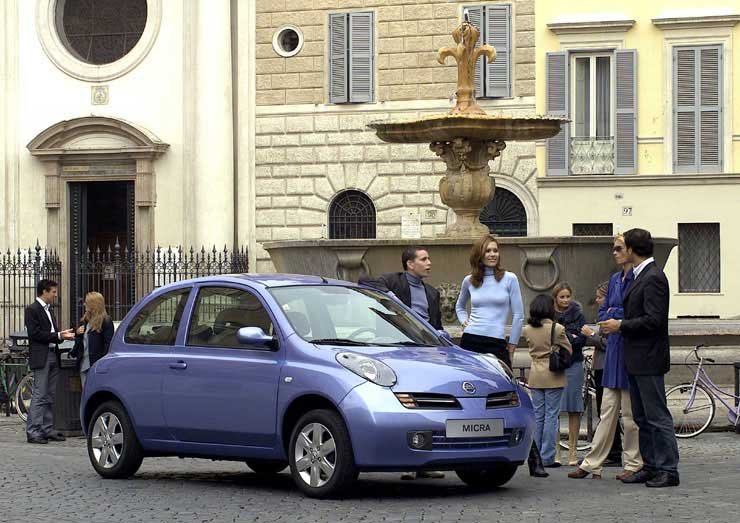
(560,357)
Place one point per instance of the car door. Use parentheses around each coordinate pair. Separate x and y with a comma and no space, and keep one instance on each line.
(138,368)
(217,390)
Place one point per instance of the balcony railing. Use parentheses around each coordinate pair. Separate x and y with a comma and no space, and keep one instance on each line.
(591,155)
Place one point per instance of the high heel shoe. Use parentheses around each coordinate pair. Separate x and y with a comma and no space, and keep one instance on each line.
(536,470)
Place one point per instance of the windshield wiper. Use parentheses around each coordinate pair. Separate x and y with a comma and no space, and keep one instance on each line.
(339,341)
(404,344)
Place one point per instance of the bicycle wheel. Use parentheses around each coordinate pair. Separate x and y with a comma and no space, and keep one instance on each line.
(690,418)
(23,396)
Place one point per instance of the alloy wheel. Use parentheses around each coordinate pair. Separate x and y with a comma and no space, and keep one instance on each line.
(315,454)
(107,440)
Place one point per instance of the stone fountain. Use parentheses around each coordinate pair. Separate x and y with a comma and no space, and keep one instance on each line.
(466,139)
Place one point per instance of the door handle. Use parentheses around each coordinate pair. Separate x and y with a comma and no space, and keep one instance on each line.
(179,365)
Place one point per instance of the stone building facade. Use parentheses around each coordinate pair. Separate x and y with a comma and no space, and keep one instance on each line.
(308,149)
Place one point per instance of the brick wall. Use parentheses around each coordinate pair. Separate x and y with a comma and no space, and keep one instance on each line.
(408,34)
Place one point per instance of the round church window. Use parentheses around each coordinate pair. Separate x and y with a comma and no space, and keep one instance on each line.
(100,32)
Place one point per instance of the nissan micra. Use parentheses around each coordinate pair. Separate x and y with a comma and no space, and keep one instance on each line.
(323,376)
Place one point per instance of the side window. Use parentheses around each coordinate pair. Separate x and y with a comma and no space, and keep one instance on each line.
(220,312)
(351,57)
(157,323)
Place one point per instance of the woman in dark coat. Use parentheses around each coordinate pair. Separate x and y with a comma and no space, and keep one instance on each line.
(569,314)
(93,334)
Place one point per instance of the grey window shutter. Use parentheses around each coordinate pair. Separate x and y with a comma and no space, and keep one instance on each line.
(557,105)
(625,131)
(710,109)
(475,14)
(338,58)
(361,57)
(684,109)
(498,34)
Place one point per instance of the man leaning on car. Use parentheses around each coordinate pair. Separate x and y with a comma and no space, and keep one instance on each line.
(409,287)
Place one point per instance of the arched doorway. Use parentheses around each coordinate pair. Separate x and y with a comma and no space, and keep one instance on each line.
(505,215)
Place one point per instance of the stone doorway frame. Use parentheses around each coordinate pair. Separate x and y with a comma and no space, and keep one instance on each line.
(68,146)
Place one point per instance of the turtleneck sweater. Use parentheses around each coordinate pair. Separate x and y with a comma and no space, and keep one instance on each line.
(491,304)
(419,301)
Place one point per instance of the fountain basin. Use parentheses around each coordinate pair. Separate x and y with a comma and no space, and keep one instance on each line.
(539,262)
(478,127)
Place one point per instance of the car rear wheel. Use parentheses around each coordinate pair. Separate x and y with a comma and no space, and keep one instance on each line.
(320,454)
(112,445)
(267,467)
(493,476)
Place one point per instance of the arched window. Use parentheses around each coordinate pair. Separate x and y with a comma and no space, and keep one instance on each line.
(505,215)
(351,215)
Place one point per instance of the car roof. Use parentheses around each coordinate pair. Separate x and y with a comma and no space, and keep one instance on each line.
(268,280)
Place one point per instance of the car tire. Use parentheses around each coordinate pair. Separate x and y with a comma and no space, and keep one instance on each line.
(112,445)
(267,467)
(493,476)
(323,468)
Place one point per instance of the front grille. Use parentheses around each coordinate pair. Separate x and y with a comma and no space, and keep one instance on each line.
(499,400)
(424,400)
(442,442)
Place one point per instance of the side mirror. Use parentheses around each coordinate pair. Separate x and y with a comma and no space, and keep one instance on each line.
(254,336)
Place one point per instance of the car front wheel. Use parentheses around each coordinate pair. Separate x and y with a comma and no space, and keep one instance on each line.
(493,476)
(320,454)
(112,445)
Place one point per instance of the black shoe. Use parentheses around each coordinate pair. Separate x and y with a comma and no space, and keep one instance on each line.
(534,461)
(639,477)
(38,440)
(553,465)
(612,462)
(663,479)
(56,437)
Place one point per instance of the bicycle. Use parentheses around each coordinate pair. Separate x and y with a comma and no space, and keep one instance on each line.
(588,425)
(698,402)
(16,393)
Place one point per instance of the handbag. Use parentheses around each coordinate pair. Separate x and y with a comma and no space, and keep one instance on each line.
(560,357)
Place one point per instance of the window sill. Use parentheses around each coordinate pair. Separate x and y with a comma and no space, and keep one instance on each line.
(698,293)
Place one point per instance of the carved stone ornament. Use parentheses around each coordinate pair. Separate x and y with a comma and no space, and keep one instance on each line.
(448,293)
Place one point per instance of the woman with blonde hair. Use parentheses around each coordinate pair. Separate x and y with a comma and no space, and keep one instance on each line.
(93,334)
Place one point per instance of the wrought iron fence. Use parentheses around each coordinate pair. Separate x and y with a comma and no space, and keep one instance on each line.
(123,277)
(591,155)
(20,271)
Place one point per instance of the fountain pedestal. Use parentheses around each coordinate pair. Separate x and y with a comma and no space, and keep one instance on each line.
(466,186)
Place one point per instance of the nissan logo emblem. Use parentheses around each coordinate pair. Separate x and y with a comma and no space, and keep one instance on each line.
(468,387)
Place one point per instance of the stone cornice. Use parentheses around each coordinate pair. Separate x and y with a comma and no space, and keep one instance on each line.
(591,26)
(682,22)
(640,180)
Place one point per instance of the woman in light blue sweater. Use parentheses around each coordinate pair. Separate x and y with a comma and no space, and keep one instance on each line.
(494,295)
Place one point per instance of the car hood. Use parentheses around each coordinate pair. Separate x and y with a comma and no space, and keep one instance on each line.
(440,370)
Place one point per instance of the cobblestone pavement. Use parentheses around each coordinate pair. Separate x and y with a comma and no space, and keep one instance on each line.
(55,483)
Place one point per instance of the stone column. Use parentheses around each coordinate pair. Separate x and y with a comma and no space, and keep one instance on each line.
(467,187)
(9,155)
(211,216)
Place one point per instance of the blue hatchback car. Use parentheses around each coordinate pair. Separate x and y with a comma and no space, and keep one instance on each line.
(327,377)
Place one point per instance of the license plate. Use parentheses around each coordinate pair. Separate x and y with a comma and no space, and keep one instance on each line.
(475,428)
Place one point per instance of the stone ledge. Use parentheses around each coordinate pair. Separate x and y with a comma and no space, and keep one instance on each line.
(616,180)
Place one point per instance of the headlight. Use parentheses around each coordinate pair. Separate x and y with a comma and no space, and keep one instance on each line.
(368,368)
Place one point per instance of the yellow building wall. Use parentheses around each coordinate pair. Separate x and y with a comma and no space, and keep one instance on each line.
(659,204)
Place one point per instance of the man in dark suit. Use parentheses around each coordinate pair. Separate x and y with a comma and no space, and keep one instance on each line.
(44,336)
(409,286)
(647,359)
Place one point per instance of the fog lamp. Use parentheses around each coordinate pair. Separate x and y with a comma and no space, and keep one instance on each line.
(420,440)
(517,435)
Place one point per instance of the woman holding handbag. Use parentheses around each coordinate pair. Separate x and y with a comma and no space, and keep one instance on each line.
(549,347)
(93,334)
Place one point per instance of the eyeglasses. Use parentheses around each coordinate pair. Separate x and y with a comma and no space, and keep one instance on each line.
(617,248)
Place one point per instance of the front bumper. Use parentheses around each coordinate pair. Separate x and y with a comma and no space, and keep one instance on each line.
(379,426)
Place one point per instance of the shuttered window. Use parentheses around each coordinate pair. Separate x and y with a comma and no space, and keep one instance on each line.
(351,57)
(493,79)
(698,257)
(697,109)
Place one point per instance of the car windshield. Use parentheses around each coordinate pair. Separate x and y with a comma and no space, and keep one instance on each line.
(338,315)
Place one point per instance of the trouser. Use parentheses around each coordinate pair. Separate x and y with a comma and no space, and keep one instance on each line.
(614,401)
(486,345)
(658,444)
(40,417)
(546,404)
(616,450)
